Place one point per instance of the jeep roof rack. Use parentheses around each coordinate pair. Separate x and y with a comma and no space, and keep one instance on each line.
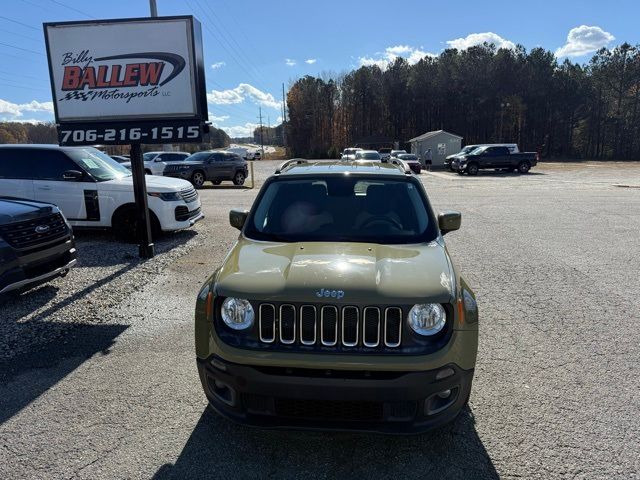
(289,163)
(404,166)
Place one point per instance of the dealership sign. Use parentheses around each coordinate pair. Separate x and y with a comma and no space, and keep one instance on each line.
(135,80)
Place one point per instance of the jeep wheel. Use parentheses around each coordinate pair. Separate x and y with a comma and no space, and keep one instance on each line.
(524,167)
(238,179)
(197,179)
(472,169)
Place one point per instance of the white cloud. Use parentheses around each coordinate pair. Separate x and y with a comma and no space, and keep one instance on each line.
(289,62)
(218,65)
(310,61)
(13,110)
(474,39)
(240,94)
(383,59)
(216,118)
(584,39)
(245,130)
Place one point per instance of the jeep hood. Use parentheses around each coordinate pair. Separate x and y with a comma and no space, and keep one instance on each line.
(365,272)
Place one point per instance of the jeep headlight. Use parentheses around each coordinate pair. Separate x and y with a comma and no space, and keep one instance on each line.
(427,319)
(166,196)
(237,313)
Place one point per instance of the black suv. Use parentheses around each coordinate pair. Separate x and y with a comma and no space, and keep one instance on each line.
(36,243)
(210,165)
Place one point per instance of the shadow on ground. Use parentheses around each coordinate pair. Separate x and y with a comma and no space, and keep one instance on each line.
(225,450)
(25,377)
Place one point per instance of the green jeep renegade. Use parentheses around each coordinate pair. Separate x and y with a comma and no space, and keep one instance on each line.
(339,306)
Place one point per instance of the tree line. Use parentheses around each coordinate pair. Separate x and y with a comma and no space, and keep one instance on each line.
(484,94)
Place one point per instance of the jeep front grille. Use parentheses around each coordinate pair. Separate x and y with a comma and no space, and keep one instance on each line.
(329,325)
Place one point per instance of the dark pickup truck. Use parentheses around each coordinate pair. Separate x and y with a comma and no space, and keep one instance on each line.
(36,244)
(498,158)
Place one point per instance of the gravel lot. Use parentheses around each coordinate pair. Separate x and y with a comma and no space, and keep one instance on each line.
(98,377)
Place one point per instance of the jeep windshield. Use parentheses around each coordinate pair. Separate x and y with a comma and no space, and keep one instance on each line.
(341,208)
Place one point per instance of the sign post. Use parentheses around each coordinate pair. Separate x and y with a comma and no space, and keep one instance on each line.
(128,81)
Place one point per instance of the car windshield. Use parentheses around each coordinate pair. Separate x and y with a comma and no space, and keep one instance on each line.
(367,156)
(477,150)
(149,156)
(407,156)
(349,151)
(468,149)
(342,209)
(100,165)
(198,157)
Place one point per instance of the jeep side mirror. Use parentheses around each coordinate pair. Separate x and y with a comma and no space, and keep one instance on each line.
(449,221)
(72,175)
(238,217)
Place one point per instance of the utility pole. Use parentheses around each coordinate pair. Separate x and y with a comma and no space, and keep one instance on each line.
(146,248)
(284,119)
(261,141)
(153,8)
(268,130)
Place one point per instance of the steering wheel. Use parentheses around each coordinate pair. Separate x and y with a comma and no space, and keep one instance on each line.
(382,219)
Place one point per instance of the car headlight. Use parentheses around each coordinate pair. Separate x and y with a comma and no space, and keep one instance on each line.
(166,196)
(427,319)
(237,313)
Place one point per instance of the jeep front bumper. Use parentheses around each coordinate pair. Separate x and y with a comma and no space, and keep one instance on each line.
(307,398)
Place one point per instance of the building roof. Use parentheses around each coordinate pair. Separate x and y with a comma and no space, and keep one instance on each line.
(343,167)
(427,135)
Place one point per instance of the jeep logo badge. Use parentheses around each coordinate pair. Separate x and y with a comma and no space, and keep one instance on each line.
(323,292)
(42,228)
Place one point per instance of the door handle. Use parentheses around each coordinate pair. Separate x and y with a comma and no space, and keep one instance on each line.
(46,187)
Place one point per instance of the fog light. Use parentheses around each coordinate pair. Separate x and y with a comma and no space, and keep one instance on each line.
(444,373)
(444,394)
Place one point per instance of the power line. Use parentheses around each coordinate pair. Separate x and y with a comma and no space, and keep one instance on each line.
(72,8)
(20,48)
(224,30)
(19,23)
(235,57)
(20,35)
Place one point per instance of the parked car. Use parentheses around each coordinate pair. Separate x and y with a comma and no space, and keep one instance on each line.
(241,151)
(214,166)
(499,158)
(412,160)
(368,155)
(513,148)
(36,244)
(154,162)
(350,153)
(120,158)
(395,153)
(385,154)
(93,190)
(257,155)
(339,306)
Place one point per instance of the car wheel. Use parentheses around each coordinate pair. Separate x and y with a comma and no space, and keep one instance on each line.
(147,171)
(216,182)
(524,167)
(125,225)
(197,179)
(238,179)
(472,169)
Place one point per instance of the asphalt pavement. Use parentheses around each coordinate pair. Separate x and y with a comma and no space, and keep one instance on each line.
(98,376)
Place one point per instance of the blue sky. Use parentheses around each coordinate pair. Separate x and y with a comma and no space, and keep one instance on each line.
(252,47)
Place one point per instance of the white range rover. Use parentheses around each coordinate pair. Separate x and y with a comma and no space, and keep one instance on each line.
(93,190)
